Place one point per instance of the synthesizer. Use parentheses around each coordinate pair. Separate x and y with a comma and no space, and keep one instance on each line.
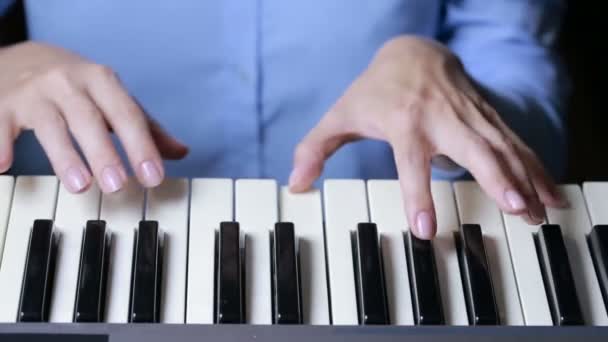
(224,260)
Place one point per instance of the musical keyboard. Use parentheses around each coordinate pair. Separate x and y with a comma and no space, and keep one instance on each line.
(248,259)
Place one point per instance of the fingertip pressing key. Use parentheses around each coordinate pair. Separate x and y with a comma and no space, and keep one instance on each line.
(425,225)
(112,179)
(76,180)
(515,201)
(151,174)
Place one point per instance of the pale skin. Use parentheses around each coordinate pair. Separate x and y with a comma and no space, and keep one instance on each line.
(415,95)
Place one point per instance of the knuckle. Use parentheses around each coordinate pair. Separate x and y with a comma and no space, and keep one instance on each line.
(416,194)
(425,95)
(479,146)
(305,151)
(100,71)
(311,152)
(413,108)
(56,77)
(505,144)
(411,156)
(87,111)
(57,81)
(406,118)
(50,122)
(482,158)
(450,107)
(102,157)
(132,108)
(101,154)
(54,119)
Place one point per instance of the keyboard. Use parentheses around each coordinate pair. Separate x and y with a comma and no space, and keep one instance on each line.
(246,259)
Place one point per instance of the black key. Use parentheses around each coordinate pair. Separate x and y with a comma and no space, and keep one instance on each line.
(92,274)
(557,275)
(476,278)
(598,241)
(424,282)
(147,274)
(371,291)
(287,307)
(229,288)
(39,272)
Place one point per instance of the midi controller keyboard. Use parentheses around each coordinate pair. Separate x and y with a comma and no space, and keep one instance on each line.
(225,260)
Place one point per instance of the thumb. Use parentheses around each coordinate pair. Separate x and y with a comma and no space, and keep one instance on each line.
(318,145)
(169,147)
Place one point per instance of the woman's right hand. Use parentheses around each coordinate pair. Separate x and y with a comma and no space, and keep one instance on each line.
(60,95)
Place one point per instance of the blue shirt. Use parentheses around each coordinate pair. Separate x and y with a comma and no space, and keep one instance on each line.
(242,81)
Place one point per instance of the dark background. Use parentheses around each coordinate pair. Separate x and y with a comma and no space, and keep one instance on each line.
(579,44)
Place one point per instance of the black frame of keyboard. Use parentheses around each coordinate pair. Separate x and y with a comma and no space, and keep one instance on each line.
(200,332)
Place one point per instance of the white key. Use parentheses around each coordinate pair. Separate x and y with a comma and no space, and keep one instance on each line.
(210,203)
(34,198)
(575,225)
(168,204)
(596,194)
(345,206)
(386,211)
(122,212)
(446,256)
(73,211)
(528,275)
(305,211)
(256,209)
(475,207)
(6,197)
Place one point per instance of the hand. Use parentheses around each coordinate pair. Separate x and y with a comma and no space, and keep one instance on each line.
(416,96)
(60,95)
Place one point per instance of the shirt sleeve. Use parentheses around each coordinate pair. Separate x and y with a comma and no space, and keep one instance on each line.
(507,48)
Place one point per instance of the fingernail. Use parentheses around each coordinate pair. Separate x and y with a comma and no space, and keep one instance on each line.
(150,173)
(75,180)
(111,179)
(424,225)
(516,202)
(539,213)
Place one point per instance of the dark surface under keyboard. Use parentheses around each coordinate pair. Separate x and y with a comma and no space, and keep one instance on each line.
(38,332)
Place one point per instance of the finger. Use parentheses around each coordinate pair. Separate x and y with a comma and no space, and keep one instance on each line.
(543,183)
(129,123)
(509,154)
(88,127)
(52,132)
(477,155)
(7,137)
(318,145)
(536,210)
(413,167)
(546,188)
(169,147)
